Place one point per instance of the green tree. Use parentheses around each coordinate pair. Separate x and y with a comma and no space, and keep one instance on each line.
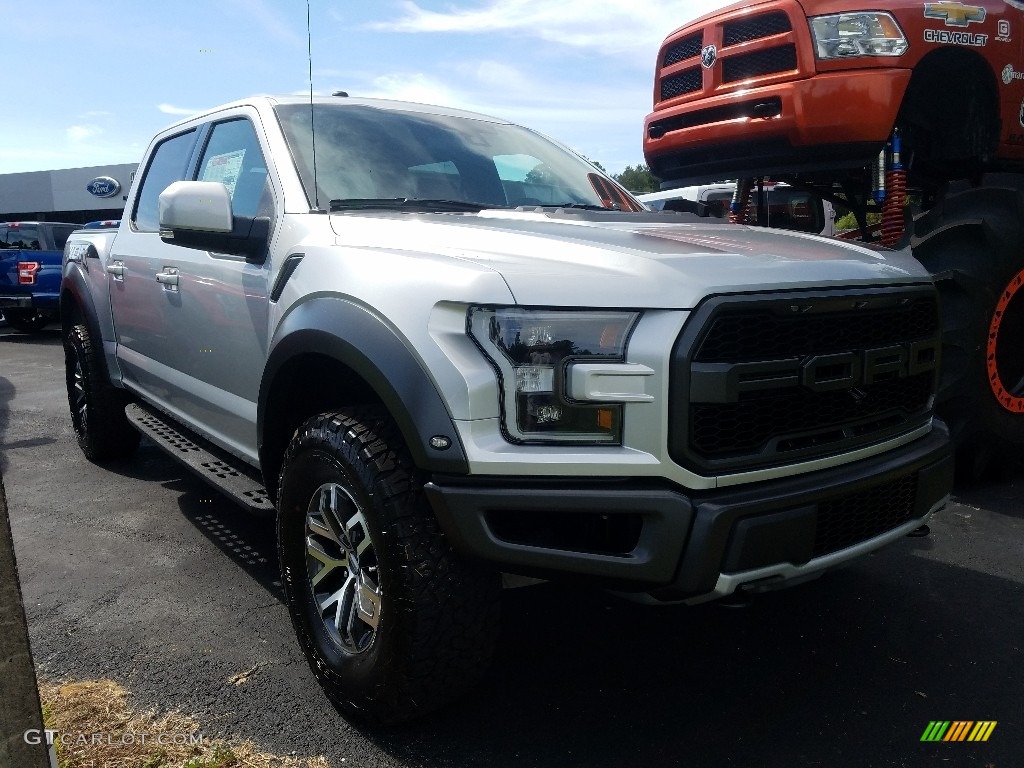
(539,174)
(637,179)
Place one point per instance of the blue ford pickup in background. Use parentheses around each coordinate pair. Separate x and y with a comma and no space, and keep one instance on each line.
(30,272)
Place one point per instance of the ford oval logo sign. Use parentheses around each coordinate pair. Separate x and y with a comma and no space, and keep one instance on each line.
(103,186)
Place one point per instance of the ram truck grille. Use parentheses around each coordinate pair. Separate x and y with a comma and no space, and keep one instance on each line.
(794,377)
(755,27)
(685,82)
(687,48)
(748,47)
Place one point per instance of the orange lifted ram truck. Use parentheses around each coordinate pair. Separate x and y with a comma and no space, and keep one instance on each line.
(768,88)
(874,106)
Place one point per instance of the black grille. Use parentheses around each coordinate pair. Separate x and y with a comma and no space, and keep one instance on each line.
(853,519)
(686,48)
(766,380)
(755,28)
(685,82)
(758,63)
(766,335)
(800,420)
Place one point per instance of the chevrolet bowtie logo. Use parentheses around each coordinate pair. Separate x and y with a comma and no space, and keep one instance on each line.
(955,14)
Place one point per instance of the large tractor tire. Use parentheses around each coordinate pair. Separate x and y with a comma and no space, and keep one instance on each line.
(972,242)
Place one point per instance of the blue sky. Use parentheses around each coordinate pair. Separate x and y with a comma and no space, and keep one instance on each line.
(94,81)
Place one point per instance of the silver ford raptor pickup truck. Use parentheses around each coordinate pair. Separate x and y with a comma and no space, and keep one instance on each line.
(439,349)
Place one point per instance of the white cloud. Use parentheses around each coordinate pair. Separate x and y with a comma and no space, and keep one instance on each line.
(615,26)
(170,109)
(417,87)
(79,133)
(496,74)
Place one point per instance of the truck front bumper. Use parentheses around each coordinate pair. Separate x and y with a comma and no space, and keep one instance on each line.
(676,545)
(830,120)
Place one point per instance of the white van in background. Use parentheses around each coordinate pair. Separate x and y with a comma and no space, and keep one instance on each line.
(787,208)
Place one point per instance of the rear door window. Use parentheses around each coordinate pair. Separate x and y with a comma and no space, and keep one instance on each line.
(234,158)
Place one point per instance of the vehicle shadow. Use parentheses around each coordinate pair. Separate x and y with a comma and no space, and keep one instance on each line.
(847,671)
(49,336)
(1001,490)
(247,540)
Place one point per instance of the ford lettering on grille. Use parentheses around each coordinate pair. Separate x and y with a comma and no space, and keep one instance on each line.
(762,380)
(725,382)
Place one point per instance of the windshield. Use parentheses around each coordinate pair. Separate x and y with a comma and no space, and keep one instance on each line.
(370,154)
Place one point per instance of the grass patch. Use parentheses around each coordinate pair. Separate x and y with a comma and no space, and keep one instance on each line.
(97,728)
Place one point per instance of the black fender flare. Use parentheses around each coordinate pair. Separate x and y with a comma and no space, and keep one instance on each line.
(73,288)
(374,352)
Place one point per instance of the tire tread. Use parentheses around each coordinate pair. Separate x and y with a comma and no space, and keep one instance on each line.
(448,606)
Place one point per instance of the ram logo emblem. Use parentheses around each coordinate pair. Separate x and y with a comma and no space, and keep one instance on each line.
(708,56)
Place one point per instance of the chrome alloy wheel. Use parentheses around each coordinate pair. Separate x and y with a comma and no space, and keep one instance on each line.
(344,576)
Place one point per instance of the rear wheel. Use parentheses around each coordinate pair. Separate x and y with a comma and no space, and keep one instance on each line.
(973,244)
(26,320)
(97,407)
(392,622)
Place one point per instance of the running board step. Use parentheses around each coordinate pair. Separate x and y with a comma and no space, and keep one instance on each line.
(216,468)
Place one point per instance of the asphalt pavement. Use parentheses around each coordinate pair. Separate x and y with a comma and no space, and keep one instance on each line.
(138,572)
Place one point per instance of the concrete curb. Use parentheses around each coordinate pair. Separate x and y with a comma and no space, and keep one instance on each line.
(20,710)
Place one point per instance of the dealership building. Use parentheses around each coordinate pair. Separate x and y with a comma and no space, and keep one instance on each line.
(75,195)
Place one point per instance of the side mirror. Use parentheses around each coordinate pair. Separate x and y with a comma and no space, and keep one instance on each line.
(197,214)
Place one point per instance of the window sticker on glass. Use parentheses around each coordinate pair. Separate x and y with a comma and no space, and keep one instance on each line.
(224,168)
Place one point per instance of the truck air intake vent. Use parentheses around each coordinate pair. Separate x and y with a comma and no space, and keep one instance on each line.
(685,49)
(755,28)
(685,82)
(853,519)
(759,63)
(762,382)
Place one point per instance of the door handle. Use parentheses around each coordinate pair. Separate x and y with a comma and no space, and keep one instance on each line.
(168,277)
(116,268)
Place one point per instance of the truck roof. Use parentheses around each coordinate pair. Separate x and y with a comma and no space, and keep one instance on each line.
(270,101)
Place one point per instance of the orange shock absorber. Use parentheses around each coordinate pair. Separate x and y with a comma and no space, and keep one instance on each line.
(895,197)
(740,201)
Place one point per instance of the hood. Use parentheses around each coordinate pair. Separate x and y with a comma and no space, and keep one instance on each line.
(612,259)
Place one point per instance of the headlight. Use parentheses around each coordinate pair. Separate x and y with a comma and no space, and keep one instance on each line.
(846,35)
(534,351)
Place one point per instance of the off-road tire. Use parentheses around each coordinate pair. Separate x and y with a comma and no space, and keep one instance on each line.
(26,320)
(97,407)
(972,242)
(437,614)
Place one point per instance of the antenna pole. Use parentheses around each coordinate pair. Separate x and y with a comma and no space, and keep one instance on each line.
(312,127)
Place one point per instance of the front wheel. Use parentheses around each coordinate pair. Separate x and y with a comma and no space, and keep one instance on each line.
(392,622)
